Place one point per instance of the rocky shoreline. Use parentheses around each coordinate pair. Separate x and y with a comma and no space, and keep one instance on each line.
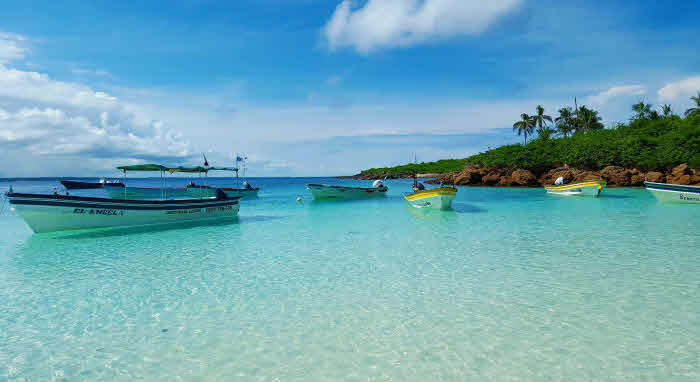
(502,177)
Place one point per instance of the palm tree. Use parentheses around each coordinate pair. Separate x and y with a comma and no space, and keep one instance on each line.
(525,126)
(588,119)
(666,110)
(540,118)
(694,110)
(565,121)
(642,109)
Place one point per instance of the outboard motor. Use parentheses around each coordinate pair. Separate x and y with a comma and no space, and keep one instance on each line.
(559,181)
(377,183)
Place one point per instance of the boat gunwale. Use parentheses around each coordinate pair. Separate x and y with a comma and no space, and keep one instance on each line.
(223,188)
(591,183)
(316,185)
(440,191)
(671,187)
(88,199)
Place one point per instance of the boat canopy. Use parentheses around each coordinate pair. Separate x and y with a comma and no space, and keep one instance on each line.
(143,167)
(158,167)
(188,169)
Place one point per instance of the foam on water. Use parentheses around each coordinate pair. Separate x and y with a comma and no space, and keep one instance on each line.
(512,285)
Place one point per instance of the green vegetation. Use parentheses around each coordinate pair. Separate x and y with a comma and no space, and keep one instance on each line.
(650,141)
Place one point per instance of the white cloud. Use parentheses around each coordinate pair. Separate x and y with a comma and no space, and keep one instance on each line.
(11,48)
(682,89)
(617,91)
(45,119)
(387,23)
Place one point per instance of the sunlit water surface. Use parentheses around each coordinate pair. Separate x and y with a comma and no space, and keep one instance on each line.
(512,285)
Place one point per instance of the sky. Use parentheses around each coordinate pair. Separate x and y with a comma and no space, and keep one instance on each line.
(319,87)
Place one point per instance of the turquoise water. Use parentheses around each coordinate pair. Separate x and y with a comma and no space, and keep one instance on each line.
(512,285)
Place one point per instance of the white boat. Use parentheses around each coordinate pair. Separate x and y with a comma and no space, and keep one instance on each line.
(247,191)
(199,191)
(48,213)
(325,191)
(588,188)
(439,198)
(674,193)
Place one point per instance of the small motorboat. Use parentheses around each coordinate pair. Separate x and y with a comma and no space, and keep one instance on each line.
(247,191)
(48,213)
(199,191)
(588,188)
(325,191)
(80,185)
(674,193)
(435,198)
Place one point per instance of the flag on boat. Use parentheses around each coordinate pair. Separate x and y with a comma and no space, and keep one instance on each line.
(205,160)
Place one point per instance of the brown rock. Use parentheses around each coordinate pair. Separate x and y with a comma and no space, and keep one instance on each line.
(680,170)
(616,176)
(469,176)
(505,181)
(637,179)
(586,176)
(683,179)
(656,177)
(523,178)
(491,178)
(552,175)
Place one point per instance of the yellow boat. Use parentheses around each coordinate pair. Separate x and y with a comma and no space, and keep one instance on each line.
(436,198)
(588,188)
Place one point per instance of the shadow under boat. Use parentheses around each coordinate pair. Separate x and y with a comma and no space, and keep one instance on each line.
(149,228)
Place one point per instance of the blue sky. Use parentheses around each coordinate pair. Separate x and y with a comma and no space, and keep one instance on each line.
(311,87)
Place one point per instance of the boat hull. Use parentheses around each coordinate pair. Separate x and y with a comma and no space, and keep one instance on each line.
(436,198)
(674,193)
(131,193)
(324,191)
(204,192)
(78,185)
(591,188)
(49,213)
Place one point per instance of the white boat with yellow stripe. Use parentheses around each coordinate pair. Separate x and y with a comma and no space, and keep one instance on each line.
(435,198)
(587,188)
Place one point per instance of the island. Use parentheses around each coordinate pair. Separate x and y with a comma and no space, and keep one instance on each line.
(654,145)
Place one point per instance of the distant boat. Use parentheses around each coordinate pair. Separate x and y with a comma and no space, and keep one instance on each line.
(324,191)
(589,188)
(79,185)
(121,192)
(435,198)
(247,191)
(199,191)
(674,193)
(48,213)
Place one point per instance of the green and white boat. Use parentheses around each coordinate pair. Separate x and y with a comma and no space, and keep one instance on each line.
(674,193)
(325,191)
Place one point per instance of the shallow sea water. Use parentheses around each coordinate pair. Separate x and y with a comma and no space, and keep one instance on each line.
(512,285)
